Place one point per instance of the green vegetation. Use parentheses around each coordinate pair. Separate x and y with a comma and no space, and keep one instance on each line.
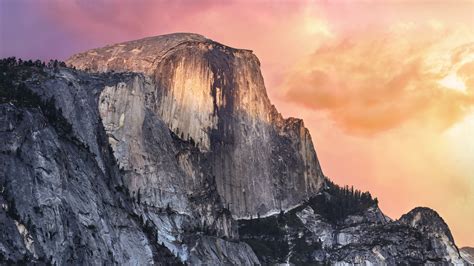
(13,89)
(336,203)
(274,238)
(266,236)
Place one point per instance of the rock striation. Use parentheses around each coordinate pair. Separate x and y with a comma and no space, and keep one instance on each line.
(307,235)
(167,150)
(214,96)
(467,253)
(72,192)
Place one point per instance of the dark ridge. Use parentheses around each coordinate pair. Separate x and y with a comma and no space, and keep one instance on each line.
(335,203)
(269,236)
(13,90)
(425,220)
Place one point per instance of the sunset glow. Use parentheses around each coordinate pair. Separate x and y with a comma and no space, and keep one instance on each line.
(385,87)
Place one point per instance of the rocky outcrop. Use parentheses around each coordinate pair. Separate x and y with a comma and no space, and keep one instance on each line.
(467,253)
(185,161)
(214,96)
(430,224)
(68,197)
(56,204)
(307,235)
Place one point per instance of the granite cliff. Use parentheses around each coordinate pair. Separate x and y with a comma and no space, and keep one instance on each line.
(467,253)
(167,150)
(214,96)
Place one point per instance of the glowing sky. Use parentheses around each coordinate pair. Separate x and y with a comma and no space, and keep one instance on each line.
(386,88)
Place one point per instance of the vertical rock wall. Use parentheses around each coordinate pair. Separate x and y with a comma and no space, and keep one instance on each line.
(214,96)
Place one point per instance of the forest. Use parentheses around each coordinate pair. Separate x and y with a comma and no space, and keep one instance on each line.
(335,203)
(14,76)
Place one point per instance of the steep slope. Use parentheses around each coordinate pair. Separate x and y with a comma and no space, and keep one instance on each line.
(357,234)
(58,199)
(67,198)
(111,166)
(214,96)
(431,225)
(467,253)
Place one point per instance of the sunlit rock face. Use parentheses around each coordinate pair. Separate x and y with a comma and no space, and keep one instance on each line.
(213,96)
(166,176)
(149,168)
(117,187)
(143,146)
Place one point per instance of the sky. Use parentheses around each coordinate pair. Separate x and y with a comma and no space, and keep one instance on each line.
(386,88)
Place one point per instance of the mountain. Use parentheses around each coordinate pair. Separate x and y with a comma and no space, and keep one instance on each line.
(467,253)
(167,150)
(214,96)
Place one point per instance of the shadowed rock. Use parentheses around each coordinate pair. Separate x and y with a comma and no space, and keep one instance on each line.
(106,166)
(467,253)
(214,96)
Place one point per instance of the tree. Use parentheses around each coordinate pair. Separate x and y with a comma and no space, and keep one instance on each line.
(336,203)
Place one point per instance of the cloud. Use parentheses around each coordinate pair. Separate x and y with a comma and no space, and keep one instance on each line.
(278,32)
(399,67)
(375,81)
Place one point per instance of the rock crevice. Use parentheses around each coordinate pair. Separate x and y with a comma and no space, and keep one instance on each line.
(214,96)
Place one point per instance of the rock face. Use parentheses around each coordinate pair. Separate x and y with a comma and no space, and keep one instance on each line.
(467,253)
(430,224)
(214,96)
(167,150)
(307,235)
(72,192)
(60,200)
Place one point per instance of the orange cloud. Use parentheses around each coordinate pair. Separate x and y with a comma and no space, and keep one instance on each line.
(278,32)
(397,71)
(375,81)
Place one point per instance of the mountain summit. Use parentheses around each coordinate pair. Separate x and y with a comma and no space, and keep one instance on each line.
(214,96)
(167,150)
